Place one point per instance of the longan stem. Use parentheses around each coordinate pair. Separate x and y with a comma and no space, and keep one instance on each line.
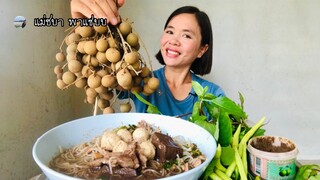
(124,43)
(95,106)
(149,59)
(115,98)
(66,87)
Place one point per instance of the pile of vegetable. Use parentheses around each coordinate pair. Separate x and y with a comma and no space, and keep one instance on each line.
(226,121)
(100,59)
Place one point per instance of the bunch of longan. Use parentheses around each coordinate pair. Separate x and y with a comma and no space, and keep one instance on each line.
(101,59)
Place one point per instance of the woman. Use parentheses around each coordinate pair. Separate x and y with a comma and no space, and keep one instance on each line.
(185,51)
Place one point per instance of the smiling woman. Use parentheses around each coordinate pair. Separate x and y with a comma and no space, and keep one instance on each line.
(186,52)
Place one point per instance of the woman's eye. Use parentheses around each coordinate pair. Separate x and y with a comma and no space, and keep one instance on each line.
(168,32)
(186,36)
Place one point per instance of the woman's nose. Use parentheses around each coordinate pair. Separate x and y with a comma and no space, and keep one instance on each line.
(174,41)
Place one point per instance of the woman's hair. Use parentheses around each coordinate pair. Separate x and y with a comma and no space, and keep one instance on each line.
(200,66)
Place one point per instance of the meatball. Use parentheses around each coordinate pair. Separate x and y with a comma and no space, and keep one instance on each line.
(120,146)
(140,134)
(109,140)
(125,135)
(147,149)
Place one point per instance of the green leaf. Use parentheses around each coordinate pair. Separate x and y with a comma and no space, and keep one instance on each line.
(227,155)
(229,106)
(225,130)
(196,110)
(198,89)
(208,97)
(241,101)
(151,108)
(211,109)
(259,132)
(210,127)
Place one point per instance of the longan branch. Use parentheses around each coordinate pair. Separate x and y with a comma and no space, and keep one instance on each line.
(149,59)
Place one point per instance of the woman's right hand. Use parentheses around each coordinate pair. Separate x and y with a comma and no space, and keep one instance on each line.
(98,8)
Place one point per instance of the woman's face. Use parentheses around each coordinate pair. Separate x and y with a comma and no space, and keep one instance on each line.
(181,41)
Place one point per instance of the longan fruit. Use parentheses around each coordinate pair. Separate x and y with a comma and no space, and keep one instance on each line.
(94,81)
(102,44)
(72,47)
(128,87)
(101,57)
(60,57)
(133,39)
(86,72)
(109,81)
(90,100)
(80,47)
(59,76)
(125,107)
(58,69)
(120,65)
(136,65)
(125,28)
(93,61)
(113,55)
(108,110)
(72,38)
(74,66)
(90,47)
(60,84)
(102,72)
(81,83)
(145,71)
(147,90)
(102,103)
(131,57)
(108,95)
(153,83)
(85,31)
(100,29)
(101,89)
(124,78)
(71,56)
(137,80)
(68,77)
(90,92)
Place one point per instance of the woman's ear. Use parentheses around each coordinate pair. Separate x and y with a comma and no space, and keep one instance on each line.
(203,49)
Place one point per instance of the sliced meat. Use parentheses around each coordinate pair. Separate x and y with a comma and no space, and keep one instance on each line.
(166,148)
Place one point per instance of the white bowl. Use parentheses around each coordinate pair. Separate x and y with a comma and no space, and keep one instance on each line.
(82,130)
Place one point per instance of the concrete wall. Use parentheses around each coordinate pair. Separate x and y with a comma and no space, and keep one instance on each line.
(267,50)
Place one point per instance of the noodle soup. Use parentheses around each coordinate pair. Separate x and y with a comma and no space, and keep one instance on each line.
(99,147)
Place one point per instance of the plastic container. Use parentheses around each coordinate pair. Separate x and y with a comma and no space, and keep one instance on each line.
(269,161)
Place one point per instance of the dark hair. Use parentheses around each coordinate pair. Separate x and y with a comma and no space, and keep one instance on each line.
(202,65)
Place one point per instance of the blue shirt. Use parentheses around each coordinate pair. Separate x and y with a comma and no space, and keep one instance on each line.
(166,102)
